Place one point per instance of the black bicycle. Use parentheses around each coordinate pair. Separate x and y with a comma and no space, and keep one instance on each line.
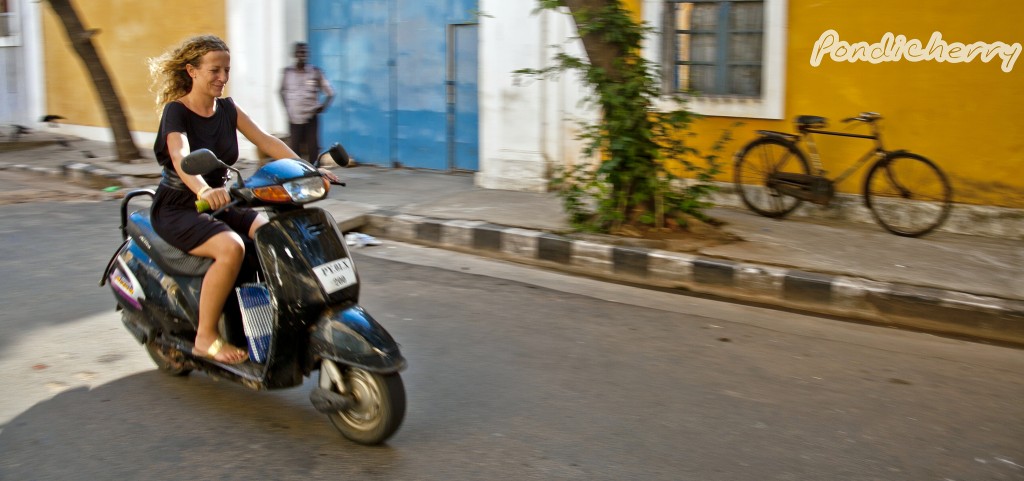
(906,193)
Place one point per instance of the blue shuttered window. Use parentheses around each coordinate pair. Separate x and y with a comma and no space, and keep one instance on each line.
(716,47)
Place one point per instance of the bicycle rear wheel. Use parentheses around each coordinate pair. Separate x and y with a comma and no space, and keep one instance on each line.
(756,163)
(907,194)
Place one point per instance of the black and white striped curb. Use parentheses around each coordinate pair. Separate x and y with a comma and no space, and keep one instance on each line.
(85,171)
(880,302)
(79,171)
(32,169)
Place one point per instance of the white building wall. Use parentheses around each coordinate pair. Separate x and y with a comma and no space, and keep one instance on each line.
(261,34)
(25,72)
(528,127)
(34,73)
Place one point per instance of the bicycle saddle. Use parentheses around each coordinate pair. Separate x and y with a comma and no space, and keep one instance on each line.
(811,122)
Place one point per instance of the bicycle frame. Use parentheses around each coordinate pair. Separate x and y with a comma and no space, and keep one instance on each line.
(762,180)
(878,152)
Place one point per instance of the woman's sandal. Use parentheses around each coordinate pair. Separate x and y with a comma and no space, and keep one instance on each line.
(215,349)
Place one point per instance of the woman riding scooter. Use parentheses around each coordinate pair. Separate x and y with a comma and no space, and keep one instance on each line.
(189,82)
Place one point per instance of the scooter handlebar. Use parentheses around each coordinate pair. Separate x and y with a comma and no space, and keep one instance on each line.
(204,206)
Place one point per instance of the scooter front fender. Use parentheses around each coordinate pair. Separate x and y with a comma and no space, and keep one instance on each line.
(351,336)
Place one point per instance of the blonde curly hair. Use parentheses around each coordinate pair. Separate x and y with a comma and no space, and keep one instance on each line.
(170,79)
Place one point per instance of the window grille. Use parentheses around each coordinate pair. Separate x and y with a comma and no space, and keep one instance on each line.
(716,47)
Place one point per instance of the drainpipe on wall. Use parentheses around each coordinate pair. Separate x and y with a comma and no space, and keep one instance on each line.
(548,170)
(393,84)
(32,38)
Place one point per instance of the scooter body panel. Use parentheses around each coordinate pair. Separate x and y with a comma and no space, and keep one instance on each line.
(290,247)
(351,336)
(170,301)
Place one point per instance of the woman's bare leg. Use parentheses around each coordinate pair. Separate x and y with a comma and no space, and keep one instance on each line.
(227,251)
(258,222)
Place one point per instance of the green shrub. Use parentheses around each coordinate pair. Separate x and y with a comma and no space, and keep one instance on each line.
(641,147)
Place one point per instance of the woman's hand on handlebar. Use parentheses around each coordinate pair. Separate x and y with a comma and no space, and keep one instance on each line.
(216,198)
(334,179)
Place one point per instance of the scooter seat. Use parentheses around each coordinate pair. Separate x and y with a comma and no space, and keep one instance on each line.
(172,260)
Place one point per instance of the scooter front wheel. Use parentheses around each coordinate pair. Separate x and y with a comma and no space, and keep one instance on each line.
(376,402)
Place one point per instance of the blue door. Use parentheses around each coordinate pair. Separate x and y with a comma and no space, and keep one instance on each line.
(360,116)
(390,63)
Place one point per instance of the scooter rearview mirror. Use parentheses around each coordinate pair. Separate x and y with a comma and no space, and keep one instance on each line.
(338,155)
(201,162)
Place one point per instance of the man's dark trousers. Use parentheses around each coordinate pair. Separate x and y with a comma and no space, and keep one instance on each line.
(304,139)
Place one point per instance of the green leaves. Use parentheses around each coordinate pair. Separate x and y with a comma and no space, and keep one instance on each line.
(635,182)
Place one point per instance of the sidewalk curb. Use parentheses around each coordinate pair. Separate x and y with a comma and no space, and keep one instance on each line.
(31,169)
(892,304)
(17,145)
(84,171)
(75,171)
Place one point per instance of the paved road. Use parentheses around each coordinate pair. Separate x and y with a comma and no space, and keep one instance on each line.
(52,252)
(515,373)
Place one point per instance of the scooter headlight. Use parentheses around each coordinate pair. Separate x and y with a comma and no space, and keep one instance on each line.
(307,189)
(299,191)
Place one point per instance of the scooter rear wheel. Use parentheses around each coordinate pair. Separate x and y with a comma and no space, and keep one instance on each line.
(170,362)
(378,402)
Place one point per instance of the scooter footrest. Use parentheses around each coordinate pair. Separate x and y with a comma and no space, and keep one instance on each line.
(327,401)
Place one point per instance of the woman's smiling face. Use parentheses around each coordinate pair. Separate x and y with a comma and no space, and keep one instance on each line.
(212,74)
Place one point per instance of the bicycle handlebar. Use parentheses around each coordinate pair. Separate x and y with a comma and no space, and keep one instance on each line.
(864,117)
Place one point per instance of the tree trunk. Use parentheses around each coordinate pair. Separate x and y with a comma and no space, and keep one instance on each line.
(601,53)
(81,41)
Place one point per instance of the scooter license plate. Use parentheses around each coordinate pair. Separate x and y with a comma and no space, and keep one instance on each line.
(335,275)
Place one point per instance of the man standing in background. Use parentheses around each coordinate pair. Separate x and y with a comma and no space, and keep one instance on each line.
(301,88)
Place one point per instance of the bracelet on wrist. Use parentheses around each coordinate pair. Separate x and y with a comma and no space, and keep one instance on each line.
(203,191)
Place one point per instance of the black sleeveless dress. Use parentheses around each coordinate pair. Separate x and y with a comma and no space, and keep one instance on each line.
(174,209)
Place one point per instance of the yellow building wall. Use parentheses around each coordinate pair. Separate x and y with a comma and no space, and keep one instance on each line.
(129,33)
(633,6)
(966,117)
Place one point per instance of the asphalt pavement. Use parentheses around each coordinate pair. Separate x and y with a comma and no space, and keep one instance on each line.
(945,283)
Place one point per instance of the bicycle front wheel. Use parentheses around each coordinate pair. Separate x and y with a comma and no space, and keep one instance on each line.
(756,164)
(907,194)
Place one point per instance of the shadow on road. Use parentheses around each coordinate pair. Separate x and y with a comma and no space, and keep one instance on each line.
(150,426)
